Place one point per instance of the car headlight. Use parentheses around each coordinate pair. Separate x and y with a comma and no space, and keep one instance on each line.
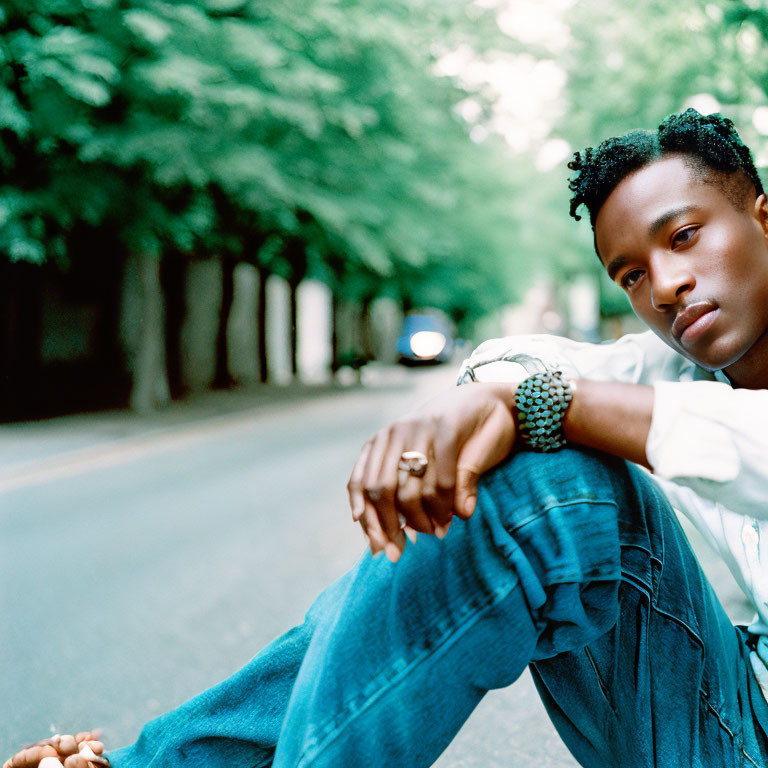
(427,344)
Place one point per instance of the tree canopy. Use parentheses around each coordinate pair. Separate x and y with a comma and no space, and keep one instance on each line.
(310,138)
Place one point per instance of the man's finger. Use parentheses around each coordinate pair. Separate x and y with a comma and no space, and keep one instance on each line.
(466,492)
(76,761)
(409,498)
(437,500)
(409,503)
(90,750)
(31,756)
(380,488)
(370,523)
(444,458)
(67,745)
(355,484)
(88,735)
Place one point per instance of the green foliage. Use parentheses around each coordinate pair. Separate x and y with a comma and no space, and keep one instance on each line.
(220,127)
(317,139)
(631,64)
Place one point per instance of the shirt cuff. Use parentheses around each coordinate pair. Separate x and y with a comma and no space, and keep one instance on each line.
(685,439)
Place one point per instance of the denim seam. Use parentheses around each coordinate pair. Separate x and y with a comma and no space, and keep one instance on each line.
(600,681)
(675,619)
(433,651)
(265,763)
(599,572)
(696,637)
(727,728)
(638,584)
(702,693)
(539,513)
(717,714)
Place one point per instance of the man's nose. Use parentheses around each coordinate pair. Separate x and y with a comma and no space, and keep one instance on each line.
(671,278)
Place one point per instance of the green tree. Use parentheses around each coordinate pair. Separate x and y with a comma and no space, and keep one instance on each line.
(310,139)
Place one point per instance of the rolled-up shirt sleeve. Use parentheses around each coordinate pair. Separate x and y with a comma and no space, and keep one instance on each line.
(713,439)
(635,358)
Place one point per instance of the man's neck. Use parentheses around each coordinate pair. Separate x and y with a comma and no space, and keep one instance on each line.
(751,370)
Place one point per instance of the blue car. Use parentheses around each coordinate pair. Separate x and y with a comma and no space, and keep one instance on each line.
(426,338)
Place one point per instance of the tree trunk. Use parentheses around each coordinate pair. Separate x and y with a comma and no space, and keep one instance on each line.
(173,273)
(334,333)
(366,340)
(261,325)
(20,341)
(223,379)
(294,312)
(150,381)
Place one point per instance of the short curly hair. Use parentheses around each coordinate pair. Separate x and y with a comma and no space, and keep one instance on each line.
(710,142)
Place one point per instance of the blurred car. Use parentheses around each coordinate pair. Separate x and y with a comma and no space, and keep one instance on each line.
(426,338)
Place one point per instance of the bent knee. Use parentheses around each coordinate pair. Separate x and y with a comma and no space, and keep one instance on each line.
(560,478)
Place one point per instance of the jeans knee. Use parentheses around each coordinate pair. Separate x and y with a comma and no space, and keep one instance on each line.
(555,519)
(557,515)
(549,479)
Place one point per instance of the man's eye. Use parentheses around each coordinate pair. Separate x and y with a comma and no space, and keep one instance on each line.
(628,279)
(683,236)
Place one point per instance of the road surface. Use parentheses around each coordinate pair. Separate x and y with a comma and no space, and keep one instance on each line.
(145,561)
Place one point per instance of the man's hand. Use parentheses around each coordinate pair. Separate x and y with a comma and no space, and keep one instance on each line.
(81,751)
(463,433)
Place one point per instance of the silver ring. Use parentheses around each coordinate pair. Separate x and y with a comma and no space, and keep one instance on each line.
(414,463)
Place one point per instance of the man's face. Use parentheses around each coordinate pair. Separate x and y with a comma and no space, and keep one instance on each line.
(694,265)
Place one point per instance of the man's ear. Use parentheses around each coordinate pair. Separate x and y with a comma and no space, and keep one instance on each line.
(760,212)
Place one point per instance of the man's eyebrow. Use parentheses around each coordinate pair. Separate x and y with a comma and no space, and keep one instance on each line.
(659,223)
(614,267)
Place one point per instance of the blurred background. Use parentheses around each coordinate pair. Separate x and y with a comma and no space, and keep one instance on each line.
(208,194)
(223,225)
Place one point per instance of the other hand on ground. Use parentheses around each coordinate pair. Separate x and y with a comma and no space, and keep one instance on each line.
(81,751)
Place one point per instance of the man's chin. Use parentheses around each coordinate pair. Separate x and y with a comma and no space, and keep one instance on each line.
(714,359)
(711,357)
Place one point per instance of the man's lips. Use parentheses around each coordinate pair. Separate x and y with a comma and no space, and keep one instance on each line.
(690,315)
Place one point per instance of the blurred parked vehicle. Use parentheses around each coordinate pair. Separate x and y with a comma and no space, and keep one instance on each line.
(427,338)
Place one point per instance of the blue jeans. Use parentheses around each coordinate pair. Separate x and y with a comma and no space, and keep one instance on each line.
(573,563)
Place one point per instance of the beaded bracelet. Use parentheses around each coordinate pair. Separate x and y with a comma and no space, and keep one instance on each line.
(541,401)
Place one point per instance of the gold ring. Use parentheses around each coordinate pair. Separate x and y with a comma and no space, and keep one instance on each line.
(414,463)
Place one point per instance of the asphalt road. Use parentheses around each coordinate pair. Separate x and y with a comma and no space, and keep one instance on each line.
(142,562)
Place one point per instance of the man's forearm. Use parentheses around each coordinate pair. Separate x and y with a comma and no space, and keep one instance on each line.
(607,415)
(612,417)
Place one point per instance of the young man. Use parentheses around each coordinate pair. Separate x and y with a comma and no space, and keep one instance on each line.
(569,560)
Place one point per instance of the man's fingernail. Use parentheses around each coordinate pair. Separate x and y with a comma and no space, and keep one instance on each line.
(392,552)
(410,533)
(442,530)
(469,505)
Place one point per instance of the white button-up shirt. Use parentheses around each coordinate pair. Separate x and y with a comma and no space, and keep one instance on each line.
(708,443)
